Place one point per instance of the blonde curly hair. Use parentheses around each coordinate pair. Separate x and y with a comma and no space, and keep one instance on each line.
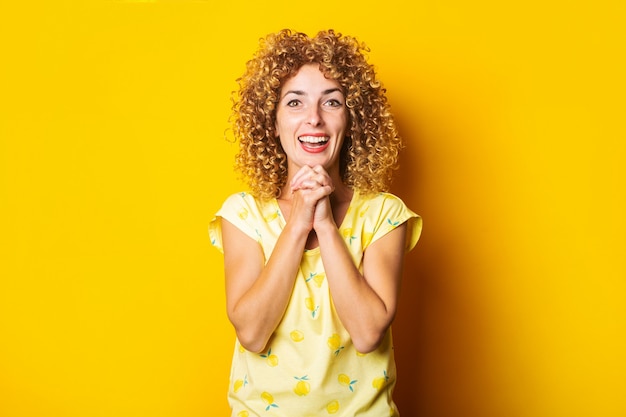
(372,144)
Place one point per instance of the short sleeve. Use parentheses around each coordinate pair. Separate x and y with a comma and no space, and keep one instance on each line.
(391,214)
(414,231)
(238,209)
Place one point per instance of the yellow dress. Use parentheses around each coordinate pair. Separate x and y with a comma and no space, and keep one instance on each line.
(310,367)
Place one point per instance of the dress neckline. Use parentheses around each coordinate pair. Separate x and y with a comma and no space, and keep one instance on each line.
(283,222)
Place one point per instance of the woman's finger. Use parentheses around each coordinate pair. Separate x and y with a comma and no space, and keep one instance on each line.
(302,173)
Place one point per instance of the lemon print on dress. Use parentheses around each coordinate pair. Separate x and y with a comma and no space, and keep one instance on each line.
(240,383)
(317,278)
(332,407)
(347,234)
(310,305)
(272,216)
(379,383)
(345,380)
(334,343)
(366,238)
(243,214)
(272,360)
(269,400)
(243,413)
(297,336)
(302,387)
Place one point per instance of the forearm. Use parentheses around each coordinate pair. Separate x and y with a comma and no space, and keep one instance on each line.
(256,313)
(364,313)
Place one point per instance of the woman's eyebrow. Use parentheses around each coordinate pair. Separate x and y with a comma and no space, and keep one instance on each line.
(296,92)
(331,90)
(302,93)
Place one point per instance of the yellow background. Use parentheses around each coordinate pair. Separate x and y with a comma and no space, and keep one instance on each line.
(113,159)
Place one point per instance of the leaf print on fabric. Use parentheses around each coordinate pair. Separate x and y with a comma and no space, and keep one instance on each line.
(310,305)
(302,387)
(379,383)
(392,223)
(345,380)
(317,278)
(272,360)
(334,343)
(269,400)
(240,383)
(347,234)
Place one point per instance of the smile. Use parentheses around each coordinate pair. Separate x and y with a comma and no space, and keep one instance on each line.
(313,139)
(314,144)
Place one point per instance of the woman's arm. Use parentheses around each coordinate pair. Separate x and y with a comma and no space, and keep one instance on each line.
(257,294)
(366,303)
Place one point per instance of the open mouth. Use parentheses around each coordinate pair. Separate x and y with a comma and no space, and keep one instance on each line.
(314,143)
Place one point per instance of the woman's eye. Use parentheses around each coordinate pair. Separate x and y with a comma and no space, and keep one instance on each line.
(293,103)
(333,103)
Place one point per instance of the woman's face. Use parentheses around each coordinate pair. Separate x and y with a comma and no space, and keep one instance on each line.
(311,120)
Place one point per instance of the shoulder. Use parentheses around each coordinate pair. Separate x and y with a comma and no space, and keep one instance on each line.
(243,210)
(386,211)
(241,204)
(240,199)
(380,201)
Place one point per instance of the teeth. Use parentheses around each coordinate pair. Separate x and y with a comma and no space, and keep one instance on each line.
(313,139)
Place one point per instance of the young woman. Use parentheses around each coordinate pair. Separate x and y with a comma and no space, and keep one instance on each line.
(313,253)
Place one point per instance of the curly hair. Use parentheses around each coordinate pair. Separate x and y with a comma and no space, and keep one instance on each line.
(372,144)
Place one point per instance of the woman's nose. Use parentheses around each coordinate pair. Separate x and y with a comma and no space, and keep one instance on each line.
(314,117)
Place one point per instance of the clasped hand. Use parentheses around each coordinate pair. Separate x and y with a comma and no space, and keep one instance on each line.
(311,188)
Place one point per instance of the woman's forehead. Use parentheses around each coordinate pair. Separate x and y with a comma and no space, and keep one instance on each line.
(310,77)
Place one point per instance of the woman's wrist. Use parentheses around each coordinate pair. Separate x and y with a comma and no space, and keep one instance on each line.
(297,229)
(325,228)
